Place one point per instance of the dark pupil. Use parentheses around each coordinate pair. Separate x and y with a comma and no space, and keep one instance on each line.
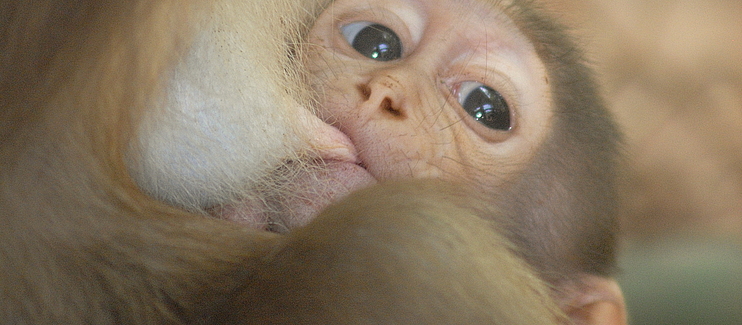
(378,42)
(488,107)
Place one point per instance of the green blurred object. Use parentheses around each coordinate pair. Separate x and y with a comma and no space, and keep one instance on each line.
(682,281)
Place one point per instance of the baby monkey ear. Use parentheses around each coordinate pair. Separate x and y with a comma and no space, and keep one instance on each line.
(595,300)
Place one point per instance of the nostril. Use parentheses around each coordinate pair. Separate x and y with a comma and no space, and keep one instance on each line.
(365,91)
(386,105)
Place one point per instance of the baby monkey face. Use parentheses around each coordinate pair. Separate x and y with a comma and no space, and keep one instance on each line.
(438,88)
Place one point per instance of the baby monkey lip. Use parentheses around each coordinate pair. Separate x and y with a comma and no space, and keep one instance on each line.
(301,197)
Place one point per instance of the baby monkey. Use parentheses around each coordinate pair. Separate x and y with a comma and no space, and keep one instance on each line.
(492,94)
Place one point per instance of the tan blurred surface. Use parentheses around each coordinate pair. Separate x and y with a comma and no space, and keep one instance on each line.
(672,73)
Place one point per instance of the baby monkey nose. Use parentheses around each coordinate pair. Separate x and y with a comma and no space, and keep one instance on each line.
(385,96)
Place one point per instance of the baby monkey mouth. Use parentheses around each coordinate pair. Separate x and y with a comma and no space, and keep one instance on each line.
(294,200)
(299,191)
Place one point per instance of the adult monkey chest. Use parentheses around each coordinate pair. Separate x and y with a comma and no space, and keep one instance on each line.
(125,124)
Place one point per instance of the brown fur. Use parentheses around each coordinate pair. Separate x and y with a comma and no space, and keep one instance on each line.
(80,243)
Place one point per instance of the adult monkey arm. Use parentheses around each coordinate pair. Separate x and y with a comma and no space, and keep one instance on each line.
(400,254)
(80,242)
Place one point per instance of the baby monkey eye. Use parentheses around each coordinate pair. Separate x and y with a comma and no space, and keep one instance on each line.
(485,105)
(374,41)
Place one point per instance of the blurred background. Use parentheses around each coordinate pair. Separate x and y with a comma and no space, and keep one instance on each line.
(672,73)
